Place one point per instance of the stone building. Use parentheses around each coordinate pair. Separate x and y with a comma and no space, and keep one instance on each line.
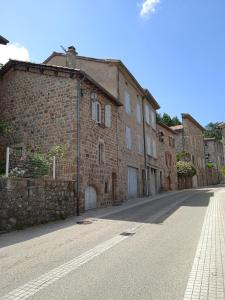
(166,157)
(215,157)
(189,138)
(48,106)
(137,153)
(222,128)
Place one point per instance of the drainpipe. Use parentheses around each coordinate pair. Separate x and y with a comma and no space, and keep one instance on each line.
(78,140)
(145,154)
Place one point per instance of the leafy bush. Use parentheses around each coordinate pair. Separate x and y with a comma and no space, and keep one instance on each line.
(36,166)
(183,155)
(17,172)
(210,165)
(4,128)
(223,171)
(185,169)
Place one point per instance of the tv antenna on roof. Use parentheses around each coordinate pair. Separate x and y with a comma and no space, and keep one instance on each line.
(63,48)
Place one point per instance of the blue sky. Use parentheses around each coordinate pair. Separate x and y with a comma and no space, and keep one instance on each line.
(175,48)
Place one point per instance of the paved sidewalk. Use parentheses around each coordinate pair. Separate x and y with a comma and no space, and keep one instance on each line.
(207,278)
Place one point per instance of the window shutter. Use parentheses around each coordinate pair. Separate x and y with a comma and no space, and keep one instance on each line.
(153,119)
(138,113)
(128,137)
(108,115)
(127,102)
(154,148)
(140,144)
(147,114)
(148,142)
(94,110)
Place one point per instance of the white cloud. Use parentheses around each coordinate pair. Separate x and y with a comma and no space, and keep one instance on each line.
(13,51)
(148,7)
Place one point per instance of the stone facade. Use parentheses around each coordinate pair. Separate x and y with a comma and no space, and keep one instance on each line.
(189,138)
(167,157)
(40,104)
(25,202)
(214,155)
(133,160)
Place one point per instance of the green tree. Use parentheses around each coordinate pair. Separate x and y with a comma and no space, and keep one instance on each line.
(212,131)
(168,120)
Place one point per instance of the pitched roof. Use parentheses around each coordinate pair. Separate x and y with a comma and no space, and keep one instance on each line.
(146,92)
(177,127)
(190,118)
(3,40)
(166,127)
(28,65)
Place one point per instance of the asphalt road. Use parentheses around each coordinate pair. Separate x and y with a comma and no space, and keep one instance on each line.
(152,259)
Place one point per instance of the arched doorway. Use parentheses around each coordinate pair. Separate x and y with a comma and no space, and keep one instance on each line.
(90,197)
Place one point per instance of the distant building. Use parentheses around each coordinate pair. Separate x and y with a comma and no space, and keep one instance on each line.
(166,157)
(214,155)
(189,138)
(3,40)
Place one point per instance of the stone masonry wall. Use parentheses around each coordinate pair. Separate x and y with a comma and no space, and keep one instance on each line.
(40,109)
(25,202)
(167,158)
(93,173)
(194,144)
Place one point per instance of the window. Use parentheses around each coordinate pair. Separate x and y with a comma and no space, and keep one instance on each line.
(106,187)
(139,144)
(138,111)
(127,102)
(108,115)
(128,138)
(161,136)
(147,114)
(148,145)
(171,141)
(96,111)
(101,154)
(153,117)
(154,149)
(168,157)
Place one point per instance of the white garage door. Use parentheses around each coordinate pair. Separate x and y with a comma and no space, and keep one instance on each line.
(132,182)
(90,198)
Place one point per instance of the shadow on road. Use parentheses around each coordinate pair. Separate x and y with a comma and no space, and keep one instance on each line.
(154,212)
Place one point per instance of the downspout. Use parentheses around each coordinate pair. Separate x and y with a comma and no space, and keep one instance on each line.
(78,140)
(145,153)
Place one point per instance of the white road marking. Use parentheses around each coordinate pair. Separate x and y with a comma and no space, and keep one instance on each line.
(207,277)
(46,279)
(32,287)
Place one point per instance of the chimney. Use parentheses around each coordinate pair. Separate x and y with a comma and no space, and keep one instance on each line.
(71,54)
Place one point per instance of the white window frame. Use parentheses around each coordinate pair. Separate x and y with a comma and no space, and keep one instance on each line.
(128,137)
(96,111)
